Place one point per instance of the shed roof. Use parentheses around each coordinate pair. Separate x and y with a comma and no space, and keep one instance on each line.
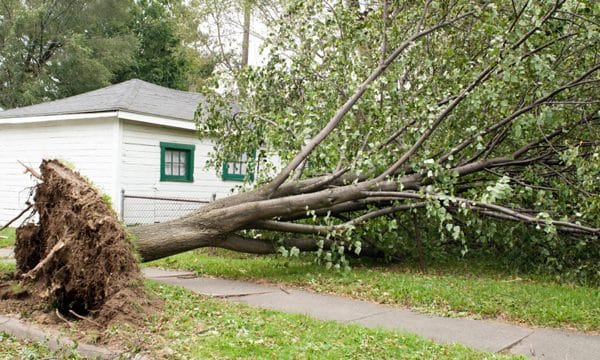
(133,95)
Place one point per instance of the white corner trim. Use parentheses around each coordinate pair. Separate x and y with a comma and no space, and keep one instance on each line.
(117,201)
(157,120)
(37,119)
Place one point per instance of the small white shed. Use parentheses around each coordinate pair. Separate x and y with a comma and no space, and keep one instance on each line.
(132,138)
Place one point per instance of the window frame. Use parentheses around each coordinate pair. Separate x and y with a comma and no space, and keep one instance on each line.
(226,176)
(189,150)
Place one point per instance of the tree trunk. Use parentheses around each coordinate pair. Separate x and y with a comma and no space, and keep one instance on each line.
(246,32)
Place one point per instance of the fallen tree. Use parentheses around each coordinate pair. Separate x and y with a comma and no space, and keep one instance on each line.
(453,154)
(466,153)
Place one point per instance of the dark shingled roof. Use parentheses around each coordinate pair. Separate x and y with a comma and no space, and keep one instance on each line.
(133,95)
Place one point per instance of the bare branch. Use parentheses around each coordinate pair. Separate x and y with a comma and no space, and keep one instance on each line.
(480,205)
(17,217)
(248,245)
(32,171)
(324,230)
(385,211)
(326,181)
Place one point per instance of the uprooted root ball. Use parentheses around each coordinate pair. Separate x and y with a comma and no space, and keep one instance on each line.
(77,256)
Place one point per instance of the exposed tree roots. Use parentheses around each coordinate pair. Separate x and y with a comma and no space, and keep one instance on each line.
(77,258)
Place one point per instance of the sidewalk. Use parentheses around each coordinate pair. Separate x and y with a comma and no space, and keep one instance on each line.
(6,253)
(538,343)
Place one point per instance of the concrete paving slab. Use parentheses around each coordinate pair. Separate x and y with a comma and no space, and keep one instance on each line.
(7,253)
(484,335)
(322,307)
(551,344)
(153,272)
(209,286)
(55,342)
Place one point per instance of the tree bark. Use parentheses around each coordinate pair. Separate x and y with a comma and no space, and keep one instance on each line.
(246,32)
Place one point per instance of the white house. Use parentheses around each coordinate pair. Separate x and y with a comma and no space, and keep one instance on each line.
(134,138)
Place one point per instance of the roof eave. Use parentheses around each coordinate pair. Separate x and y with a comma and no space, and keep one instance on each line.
(157,120)
(126,115)
(59,117)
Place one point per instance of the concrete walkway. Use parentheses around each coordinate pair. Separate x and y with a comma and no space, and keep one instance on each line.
(538,343)
(6,252)
(56,341)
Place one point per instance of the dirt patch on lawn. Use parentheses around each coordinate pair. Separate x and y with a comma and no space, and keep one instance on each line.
(76,262)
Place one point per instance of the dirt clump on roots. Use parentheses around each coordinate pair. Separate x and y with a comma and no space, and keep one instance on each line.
(76,261)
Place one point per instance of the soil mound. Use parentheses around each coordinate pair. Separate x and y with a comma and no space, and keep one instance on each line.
(77,257)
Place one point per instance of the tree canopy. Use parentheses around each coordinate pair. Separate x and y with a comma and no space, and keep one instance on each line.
(484,116)
(167,33)
(55,49)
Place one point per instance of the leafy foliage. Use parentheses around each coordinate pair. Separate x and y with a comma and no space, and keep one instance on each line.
(51,50)
(55,49)
(164,30)
(512,88)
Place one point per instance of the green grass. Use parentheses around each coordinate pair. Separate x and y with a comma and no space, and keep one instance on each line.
(10,237)
(199,327)
(454,288)
(7,265)
(12,348)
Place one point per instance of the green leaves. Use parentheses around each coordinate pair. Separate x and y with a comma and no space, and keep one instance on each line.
(55,49)
(319,54)
(499,191)
(51,50)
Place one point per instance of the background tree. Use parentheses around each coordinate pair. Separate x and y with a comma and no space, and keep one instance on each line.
(237,27)
(50,50)
(168,33)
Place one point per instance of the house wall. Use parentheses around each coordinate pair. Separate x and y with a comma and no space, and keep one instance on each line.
(88,145)
(140,174)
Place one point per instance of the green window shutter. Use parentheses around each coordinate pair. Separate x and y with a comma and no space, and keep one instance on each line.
(177,162)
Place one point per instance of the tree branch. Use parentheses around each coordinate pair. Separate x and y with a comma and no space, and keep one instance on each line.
(483,76)
(343,110)
(324,230)
(480,205)
(519,112)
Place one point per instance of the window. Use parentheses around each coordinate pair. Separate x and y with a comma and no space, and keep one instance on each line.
(237,170)
(176,162)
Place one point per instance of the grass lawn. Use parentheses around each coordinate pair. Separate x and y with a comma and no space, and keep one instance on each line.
(208,328)
(193,326)
(455,288)
(7,237)
(12,348)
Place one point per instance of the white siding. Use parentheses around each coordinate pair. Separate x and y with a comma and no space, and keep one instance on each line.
(89,145)
(140,173)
